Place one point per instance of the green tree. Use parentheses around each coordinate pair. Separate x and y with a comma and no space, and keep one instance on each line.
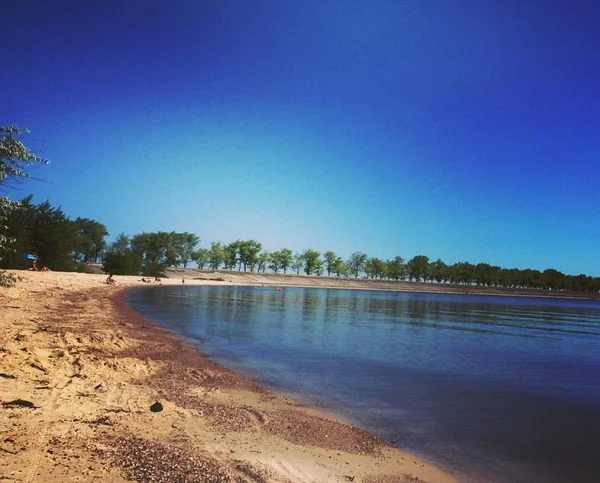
(121,259)
(248,251)
(340,267)
(396,269)
(90,240)
(121,244)
(356,263)
(554,280)
(41,229)
(165,248)
(230,255)
(16,160)
(462,273)
(217,255)
(150,246)
(285,259)
(312,262)
(264,258)
(297,263)
(418,267)
(330,259)
(438,271)
(128,262)
(375,268)
(201,257)
(187,245)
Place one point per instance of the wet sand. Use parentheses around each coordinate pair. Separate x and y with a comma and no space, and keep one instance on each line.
(92,391)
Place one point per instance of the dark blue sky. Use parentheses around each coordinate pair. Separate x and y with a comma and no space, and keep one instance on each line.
(464,130)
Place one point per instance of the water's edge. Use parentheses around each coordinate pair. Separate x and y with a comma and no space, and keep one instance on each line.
(338,412)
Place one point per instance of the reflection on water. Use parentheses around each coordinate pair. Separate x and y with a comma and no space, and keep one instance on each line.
(498,388)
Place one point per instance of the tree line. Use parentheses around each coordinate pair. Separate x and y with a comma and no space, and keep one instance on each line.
(60,243)
(161,250)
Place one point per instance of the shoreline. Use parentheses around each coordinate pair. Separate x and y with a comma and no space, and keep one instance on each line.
(89,371)
(314,281)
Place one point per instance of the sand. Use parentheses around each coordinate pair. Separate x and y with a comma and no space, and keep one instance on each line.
(92,391)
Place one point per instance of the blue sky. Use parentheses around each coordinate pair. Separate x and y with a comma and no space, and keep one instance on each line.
(461,130)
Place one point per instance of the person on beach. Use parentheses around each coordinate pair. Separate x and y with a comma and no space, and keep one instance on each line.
(110,280)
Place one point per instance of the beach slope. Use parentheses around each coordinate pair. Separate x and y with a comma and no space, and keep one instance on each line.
(92,391)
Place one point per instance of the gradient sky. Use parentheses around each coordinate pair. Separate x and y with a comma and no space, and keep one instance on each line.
(463,130)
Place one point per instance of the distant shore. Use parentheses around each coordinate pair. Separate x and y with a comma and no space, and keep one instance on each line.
(293,280)
(92,390)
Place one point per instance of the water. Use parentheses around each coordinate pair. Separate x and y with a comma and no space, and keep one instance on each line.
(496,389)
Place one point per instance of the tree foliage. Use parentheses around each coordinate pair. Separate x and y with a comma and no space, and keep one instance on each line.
(281,260)
(16,160)
(89,240)
(201,257)
(168,249)
(418,268)
(356,263)
(330,259)
(312,262)
(297,263)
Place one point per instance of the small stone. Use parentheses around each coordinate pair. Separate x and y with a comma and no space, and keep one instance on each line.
(156,407)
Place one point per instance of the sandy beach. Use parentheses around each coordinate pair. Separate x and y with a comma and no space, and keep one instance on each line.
(92,391)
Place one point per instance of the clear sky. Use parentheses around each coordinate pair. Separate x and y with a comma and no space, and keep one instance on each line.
(466,130)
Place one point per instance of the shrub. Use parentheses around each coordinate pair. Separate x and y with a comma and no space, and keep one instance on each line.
(125,263)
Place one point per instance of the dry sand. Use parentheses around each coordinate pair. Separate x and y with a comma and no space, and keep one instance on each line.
(80,373)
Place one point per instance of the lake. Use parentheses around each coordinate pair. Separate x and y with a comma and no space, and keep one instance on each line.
(496,389)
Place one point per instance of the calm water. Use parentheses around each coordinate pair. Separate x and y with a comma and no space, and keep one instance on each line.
(497,389)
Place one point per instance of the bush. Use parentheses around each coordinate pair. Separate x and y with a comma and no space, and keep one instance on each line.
(126,263)
(155,270)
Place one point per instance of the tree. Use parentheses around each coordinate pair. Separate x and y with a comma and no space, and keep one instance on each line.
(165,248)
(15,158)
(462,272)
(554,280)
(127,262)
(217,255)
(90,240)
(263,261)
(121,244)
(15,162)
(340,267)
(248,253)
(356,263)
(375,268)
(230,255)
(150,246)
(121,259)
(418,267)
(40,229)
(330,258)
(312,262)
(438,271)
(297,263)
(201,257)
(285,258)
(396,269)
(187,242)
